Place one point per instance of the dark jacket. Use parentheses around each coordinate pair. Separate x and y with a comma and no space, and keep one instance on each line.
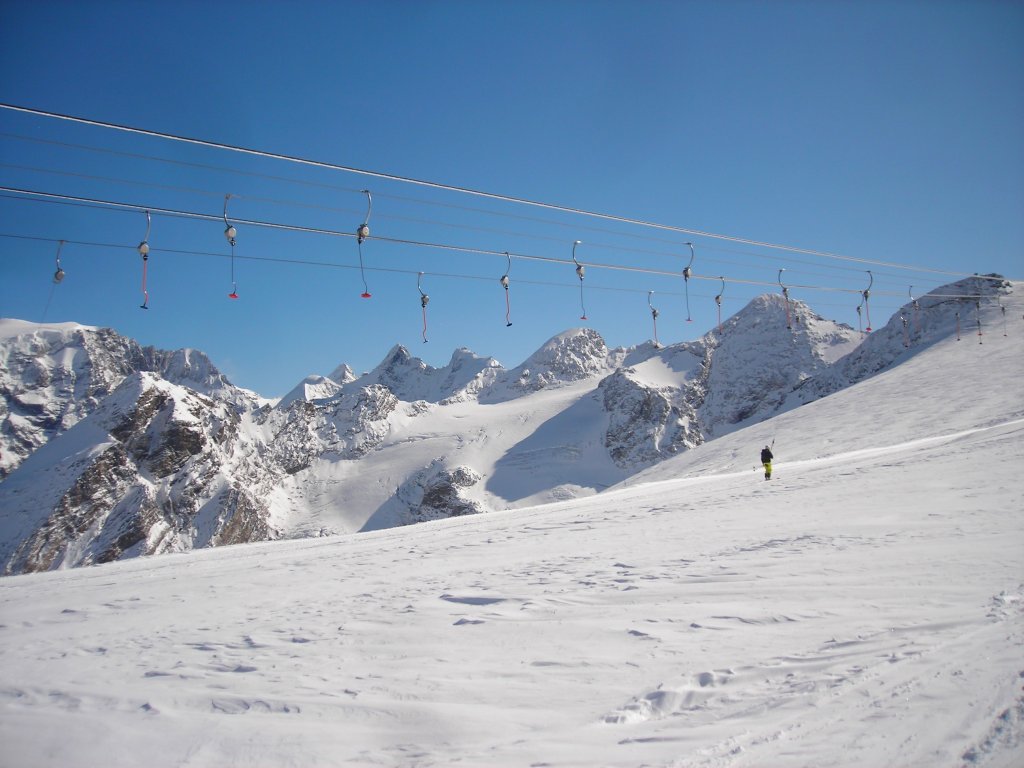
(766,456)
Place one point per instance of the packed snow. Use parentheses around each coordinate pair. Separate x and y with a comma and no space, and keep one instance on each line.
(863,608)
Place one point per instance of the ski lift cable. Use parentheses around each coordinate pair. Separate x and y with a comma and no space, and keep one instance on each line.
(441,186)
(106,246)
(102,205)
(421,201)
(312,263)
(173,161)
(463,227)
(333,265)
(106,204)
(432,222)
(51,197)
(416,200)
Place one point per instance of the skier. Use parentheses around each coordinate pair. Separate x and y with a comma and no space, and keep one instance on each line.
(766,459)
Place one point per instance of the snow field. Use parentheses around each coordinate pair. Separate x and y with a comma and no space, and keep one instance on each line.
(721,622)
(863,608)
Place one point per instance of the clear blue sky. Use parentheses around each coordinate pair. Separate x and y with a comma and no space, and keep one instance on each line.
(886,131)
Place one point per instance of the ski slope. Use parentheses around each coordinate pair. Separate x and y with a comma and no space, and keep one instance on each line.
(864,608)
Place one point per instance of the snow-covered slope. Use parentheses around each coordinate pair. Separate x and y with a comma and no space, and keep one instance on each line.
(401,444)
(863,608)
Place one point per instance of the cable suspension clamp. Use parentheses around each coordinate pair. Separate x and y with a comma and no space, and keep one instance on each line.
(718,302)
(230,233)
(654,317)
(363,232)
(785,297)
(58,275)
(504,284)
(687,274)
(916,307)
(424,300)
(580,270)
(143,249)
(867,297)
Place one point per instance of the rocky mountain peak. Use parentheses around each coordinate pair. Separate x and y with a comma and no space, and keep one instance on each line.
(763,352)
(574,355)
(123,461)
(191,368)
(343,374)
(311,388)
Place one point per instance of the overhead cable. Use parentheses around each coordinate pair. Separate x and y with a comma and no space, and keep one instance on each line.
(452,188)
(417,201)
(432,273)
(465,227)
(109,204)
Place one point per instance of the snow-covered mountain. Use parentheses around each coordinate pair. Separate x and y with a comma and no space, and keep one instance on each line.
(113,451)
(864,608)
(51,376)
(155,467)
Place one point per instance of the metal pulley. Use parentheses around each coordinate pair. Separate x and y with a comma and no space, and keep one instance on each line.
(144,245)
(58,275)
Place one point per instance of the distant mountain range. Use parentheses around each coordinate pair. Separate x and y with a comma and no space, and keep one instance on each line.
(110,450)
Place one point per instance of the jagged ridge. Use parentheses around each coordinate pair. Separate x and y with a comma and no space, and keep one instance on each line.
(149,451)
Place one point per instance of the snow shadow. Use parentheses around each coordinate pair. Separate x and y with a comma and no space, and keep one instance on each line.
(567,449)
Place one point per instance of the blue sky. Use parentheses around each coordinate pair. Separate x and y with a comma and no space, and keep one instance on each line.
(889,132)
